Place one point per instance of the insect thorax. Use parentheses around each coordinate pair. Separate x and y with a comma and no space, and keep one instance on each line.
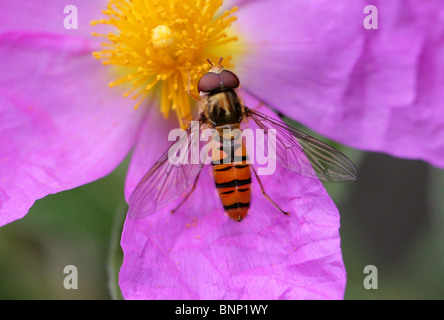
(223,107)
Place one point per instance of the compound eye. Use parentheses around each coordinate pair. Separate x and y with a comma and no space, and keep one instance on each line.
(229,79)
(209,82)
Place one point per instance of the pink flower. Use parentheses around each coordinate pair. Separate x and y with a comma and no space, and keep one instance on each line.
(61,126)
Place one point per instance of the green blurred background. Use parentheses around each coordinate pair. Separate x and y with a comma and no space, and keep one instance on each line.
(392,218)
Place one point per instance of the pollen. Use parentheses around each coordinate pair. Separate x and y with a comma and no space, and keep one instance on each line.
(162,37)
(161,47)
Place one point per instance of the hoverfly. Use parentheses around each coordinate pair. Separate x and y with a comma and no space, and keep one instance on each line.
(221,108)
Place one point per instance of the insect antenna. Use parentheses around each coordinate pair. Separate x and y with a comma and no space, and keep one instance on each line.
(210,62)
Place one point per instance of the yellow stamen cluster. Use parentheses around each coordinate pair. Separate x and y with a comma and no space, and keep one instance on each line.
(164,46)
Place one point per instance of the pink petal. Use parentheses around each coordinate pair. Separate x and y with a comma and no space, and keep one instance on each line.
(298,55)
(416,129)
(378,90)
(60,124)
(199,253)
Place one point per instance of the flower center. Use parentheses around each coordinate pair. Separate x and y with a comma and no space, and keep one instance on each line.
(163,47)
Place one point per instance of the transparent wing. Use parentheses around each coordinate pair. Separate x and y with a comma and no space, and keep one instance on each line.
(301,153)
(167,180)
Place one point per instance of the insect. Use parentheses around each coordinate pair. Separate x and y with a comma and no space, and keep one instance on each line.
(221,108)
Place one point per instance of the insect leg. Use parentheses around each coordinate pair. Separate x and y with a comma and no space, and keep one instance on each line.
(191,191)
(266,195)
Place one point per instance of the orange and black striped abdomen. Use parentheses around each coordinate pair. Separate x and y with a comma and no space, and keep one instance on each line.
(233,178)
